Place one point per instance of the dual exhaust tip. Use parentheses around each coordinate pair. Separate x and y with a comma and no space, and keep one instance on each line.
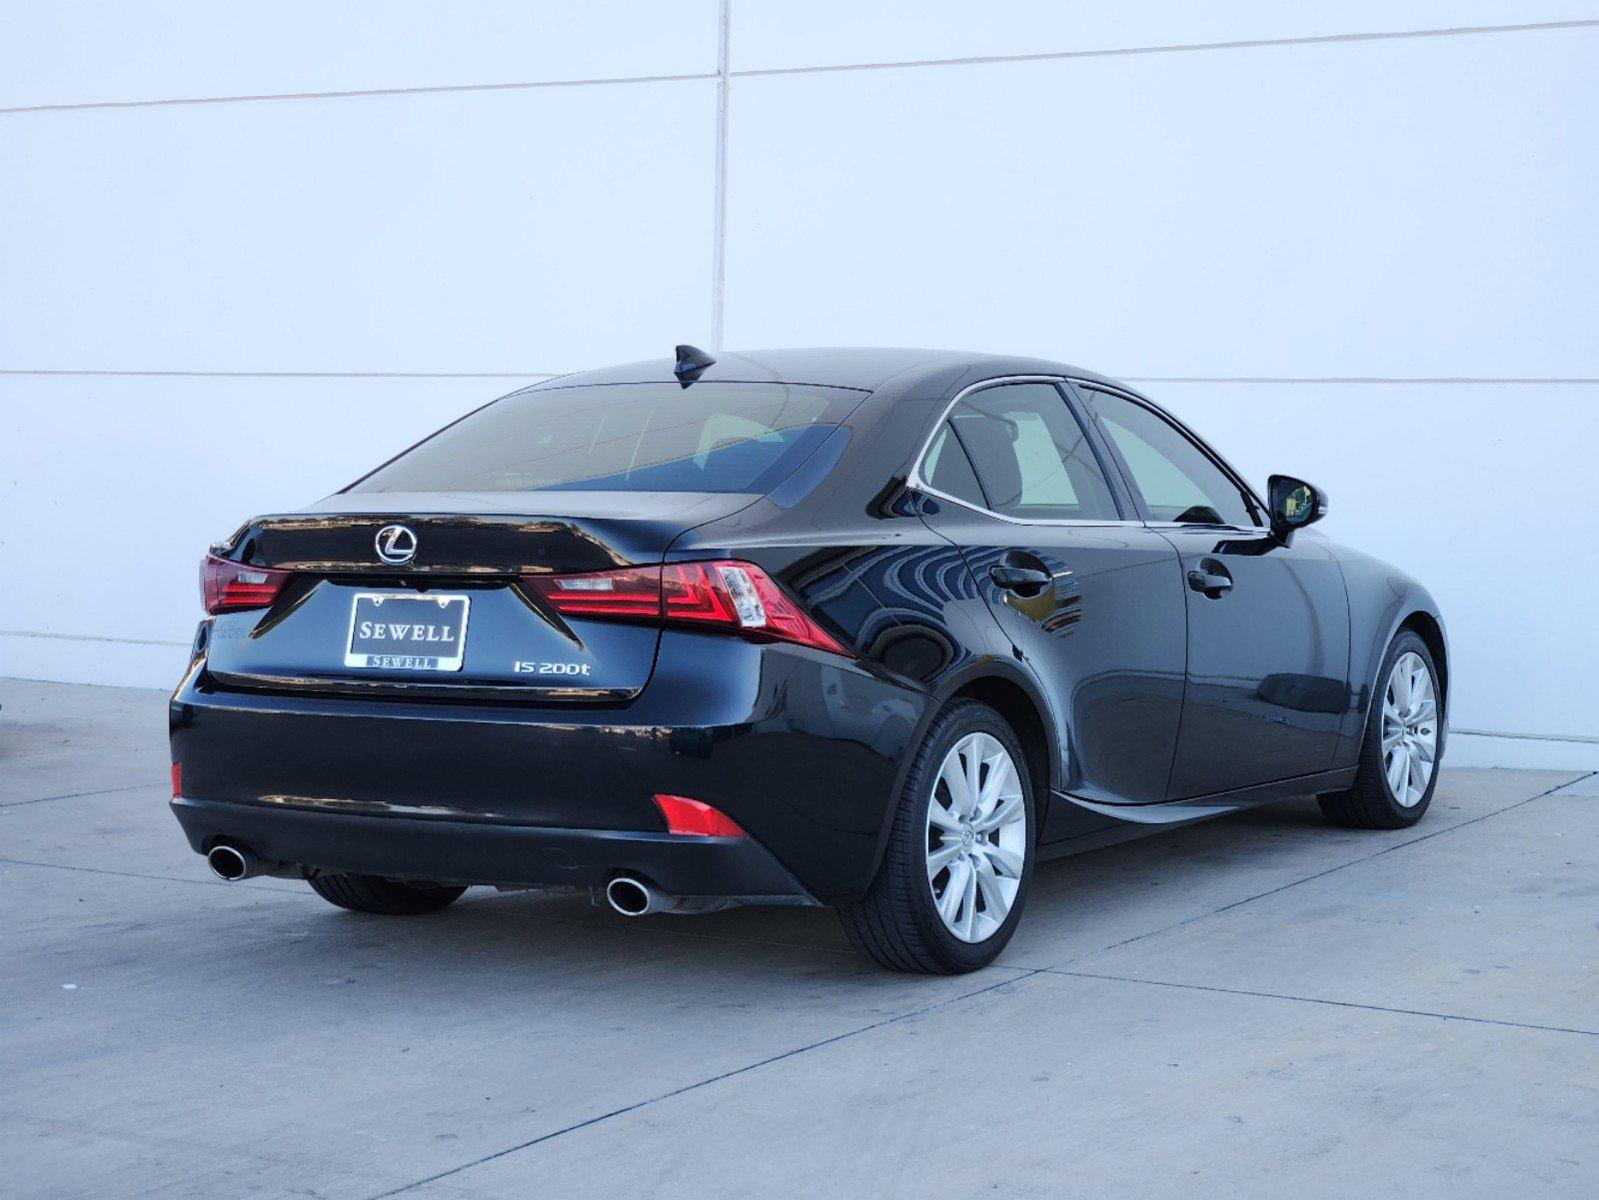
(628,895)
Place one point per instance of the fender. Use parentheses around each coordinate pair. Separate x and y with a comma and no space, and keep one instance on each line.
(1381,599)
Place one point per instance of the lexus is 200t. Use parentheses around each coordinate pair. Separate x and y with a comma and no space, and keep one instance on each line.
(873,629)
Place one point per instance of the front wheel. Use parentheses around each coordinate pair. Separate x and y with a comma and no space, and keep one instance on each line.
(960,854)
(1403,742)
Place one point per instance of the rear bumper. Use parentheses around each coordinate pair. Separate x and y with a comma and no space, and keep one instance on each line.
(803,749)
(480,852)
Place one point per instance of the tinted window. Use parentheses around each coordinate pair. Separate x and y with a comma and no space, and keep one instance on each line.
(1177,479)
(712,437)
(947,469)
(1031,455)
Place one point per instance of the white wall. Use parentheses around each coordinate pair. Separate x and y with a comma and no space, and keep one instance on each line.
(247,251)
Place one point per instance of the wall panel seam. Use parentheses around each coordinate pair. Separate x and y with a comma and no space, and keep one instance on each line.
(87,637)
(1175,48)
(357,94)
(1338,380)
(533,375)
(719,198)
(833,68)
(1429,380)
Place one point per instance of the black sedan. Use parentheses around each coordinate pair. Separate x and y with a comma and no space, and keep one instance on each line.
(874,629)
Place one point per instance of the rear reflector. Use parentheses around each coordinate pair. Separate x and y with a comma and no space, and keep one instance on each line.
(736,596)
(695,818)
(177,780)
(229,586)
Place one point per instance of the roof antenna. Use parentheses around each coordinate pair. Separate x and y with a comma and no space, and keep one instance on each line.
(691,364)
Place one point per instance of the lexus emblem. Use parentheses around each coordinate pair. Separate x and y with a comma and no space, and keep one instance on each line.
(396,545)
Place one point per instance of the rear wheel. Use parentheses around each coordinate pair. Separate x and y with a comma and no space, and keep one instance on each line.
(1399,756)
(374,894)
(960,854)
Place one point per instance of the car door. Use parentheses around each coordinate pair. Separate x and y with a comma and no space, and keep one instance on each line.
(1268,623)
(1090,598)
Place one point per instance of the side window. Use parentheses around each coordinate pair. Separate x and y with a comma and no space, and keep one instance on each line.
(947,469)
(1177,479)
(1032,457)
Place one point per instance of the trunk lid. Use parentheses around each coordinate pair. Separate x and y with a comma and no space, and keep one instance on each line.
(452,619)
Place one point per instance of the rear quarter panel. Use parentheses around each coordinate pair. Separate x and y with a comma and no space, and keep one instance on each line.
(848,543)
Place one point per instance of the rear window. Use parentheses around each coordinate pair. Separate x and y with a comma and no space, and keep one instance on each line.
(640,437)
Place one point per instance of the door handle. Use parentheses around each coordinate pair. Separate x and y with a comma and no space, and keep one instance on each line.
(1028,580)
(1212,579)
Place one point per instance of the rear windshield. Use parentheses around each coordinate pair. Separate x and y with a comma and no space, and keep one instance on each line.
(637,437)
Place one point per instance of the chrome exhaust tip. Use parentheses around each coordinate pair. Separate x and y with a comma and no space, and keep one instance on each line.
(633,897)
(231,863)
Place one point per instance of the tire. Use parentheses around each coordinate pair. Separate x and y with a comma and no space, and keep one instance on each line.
(1373,801)
(388,897)
(897,923)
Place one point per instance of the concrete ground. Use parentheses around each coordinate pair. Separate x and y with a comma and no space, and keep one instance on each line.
(1260,1006)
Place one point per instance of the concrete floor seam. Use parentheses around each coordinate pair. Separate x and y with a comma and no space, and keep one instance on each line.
(1322,1000)
(254,887)
(1029,973)
(1354,862)
(1570,788)
(132,787)
(713,1079)
(524,1044)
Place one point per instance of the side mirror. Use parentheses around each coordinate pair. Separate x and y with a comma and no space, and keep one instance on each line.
(1294,504)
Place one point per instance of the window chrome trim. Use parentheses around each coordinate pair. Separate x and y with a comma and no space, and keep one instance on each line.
(917,482)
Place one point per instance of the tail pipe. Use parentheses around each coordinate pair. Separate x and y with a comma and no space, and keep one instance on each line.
(232,862)
(634,897)
(631,896)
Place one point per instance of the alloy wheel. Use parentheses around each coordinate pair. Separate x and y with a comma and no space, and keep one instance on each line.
(976,837)
(1409,729)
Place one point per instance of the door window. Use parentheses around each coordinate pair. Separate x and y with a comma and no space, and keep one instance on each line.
(1178,480)
(1031,455)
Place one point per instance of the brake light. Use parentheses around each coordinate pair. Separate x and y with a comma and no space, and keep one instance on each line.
(695,818)
(736,596)
(229,586)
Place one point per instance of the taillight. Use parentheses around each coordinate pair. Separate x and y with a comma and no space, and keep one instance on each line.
(229,586)
(695,818)
(623,594)
(736,596)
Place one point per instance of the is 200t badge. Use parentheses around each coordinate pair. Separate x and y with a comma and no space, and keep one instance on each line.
(523,667)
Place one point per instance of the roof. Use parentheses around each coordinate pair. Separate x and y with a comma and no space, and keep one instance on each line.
(853,367)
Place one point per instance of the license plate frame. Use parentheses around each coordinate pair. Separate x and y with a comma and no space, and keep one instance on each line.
(416,658)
